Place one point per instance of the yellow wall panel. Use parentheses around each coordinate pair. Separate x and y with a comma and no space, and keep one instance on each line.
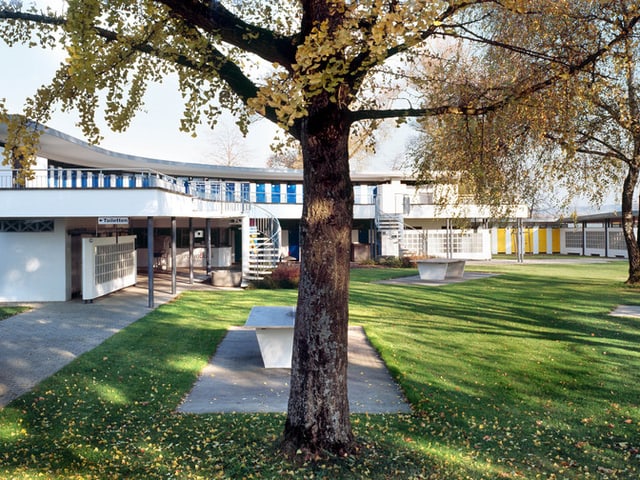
(502,240)
(555,240)
(542,240)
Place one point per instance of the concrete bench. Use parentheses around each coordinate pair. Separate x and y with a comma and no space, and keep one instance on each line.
(274,331)
(226,278)
(441,268)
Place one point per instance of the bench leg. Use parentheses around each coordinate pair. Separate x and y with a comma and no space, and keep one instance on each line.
(432,271)
(276,346)
(455,269)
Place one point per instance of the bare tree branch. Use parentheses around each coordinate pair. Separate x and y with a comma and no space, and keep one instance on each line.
(472,110)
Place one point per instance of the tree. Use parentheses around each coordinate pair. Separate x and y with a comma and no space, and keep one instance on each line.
(228,146)
(314,67)
(605,125)
(579,134)
(362,142)
(290,157)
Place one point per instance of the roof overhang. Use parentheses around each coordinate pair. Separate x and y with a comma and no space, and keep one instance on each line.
(58,146)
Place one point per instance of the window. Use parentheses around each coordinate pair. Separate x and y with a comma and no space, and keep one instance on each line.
(245,189)
(573,239)
(291,193)
(261,193)
(215,191)
(275,193)
(230,191)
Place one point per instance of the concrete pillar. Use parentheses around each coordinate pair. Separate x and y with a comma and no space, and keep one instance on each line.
(191,251)
(174,266)
(246,244)
(207,245)
(150,260)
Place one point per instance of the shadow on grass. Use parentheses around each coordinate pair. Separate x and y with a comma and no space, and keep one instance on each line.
(525,366)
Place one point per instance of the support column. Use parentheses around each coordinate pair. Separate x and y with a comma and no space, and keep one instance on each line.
(191,251)
(150,260)
(207,245)
(246,245)
(520,242)
(174,267)
(449,239)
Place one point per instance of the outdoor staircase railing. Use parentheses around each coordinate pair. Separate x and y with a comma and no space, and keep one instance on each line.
(264,238)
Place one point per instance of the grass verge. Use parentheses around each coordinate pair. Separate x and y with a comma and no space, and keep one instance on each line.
(6,311)
(521,375)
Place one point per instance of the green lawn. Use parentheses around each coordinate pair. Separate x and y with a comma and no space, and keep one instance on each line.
(521,375)
(6,312)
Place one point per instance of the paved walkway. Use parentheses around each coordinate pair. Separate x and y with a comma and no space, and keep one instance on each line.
(236,381)
(37,343)
(632,311)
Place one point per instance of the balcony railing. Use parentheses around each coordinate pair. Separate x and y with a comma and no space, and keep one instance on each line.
(211,190)
(66,178)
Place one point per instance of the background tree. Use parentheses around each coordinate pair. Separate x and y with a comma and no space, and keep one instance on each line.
(288,157)
(314,67)
(575,138)
(605,125)
(229,146)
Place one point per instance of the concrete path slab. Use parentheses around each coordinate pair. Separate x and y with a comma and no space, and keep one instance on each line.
(235,380)
(632,311)
(37,343)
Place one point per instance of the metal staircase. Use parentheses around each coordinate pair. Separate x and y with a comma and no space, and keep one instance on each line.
(264,246)
(392,226)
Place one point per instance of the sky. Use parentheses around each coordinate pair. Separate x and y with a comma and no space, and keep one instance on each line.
(154,132)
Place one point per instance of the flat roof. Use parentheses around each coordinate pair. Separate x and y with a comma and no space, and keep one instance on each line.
(58,146)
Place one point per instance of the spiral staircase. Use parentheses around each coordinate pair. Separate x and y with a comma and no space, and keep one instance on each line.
(264,243)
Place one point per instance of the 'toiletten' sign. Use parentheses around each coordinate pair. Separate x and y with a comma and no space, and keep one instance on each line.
(113,220)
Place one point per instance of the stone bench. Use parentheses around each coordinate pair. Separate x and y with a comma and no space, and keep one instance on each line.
(274,331)
(226,278)
(441,268)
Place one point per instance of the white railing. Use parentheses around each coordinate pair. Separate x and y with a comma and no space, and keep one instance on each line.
(466,244)
(223,194)
(108,264)
(72,178)
(593,241)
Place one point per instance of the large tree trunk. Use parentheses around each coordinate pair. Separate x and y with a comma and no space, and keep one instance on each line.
(318,411)
(627,225)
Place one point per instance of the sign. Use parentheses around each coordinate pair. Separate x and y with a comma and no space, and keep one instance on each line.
(113,220)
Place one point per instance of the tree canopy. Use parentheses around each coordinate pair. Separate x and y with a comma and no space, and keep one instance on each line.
(581,134)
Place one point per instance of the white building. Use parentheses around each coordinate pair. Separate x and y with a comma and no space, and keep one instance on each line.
(90,218)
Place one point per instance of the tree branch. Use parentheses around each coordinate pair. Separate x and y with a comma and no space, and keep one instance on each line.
(598,153)
(218,63)
(463,109)
(611,150)
(216,19)
(357,70)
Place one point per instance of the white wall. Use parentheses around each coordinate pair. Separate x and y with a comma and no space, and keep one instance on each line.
(391,197)
(33,266)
